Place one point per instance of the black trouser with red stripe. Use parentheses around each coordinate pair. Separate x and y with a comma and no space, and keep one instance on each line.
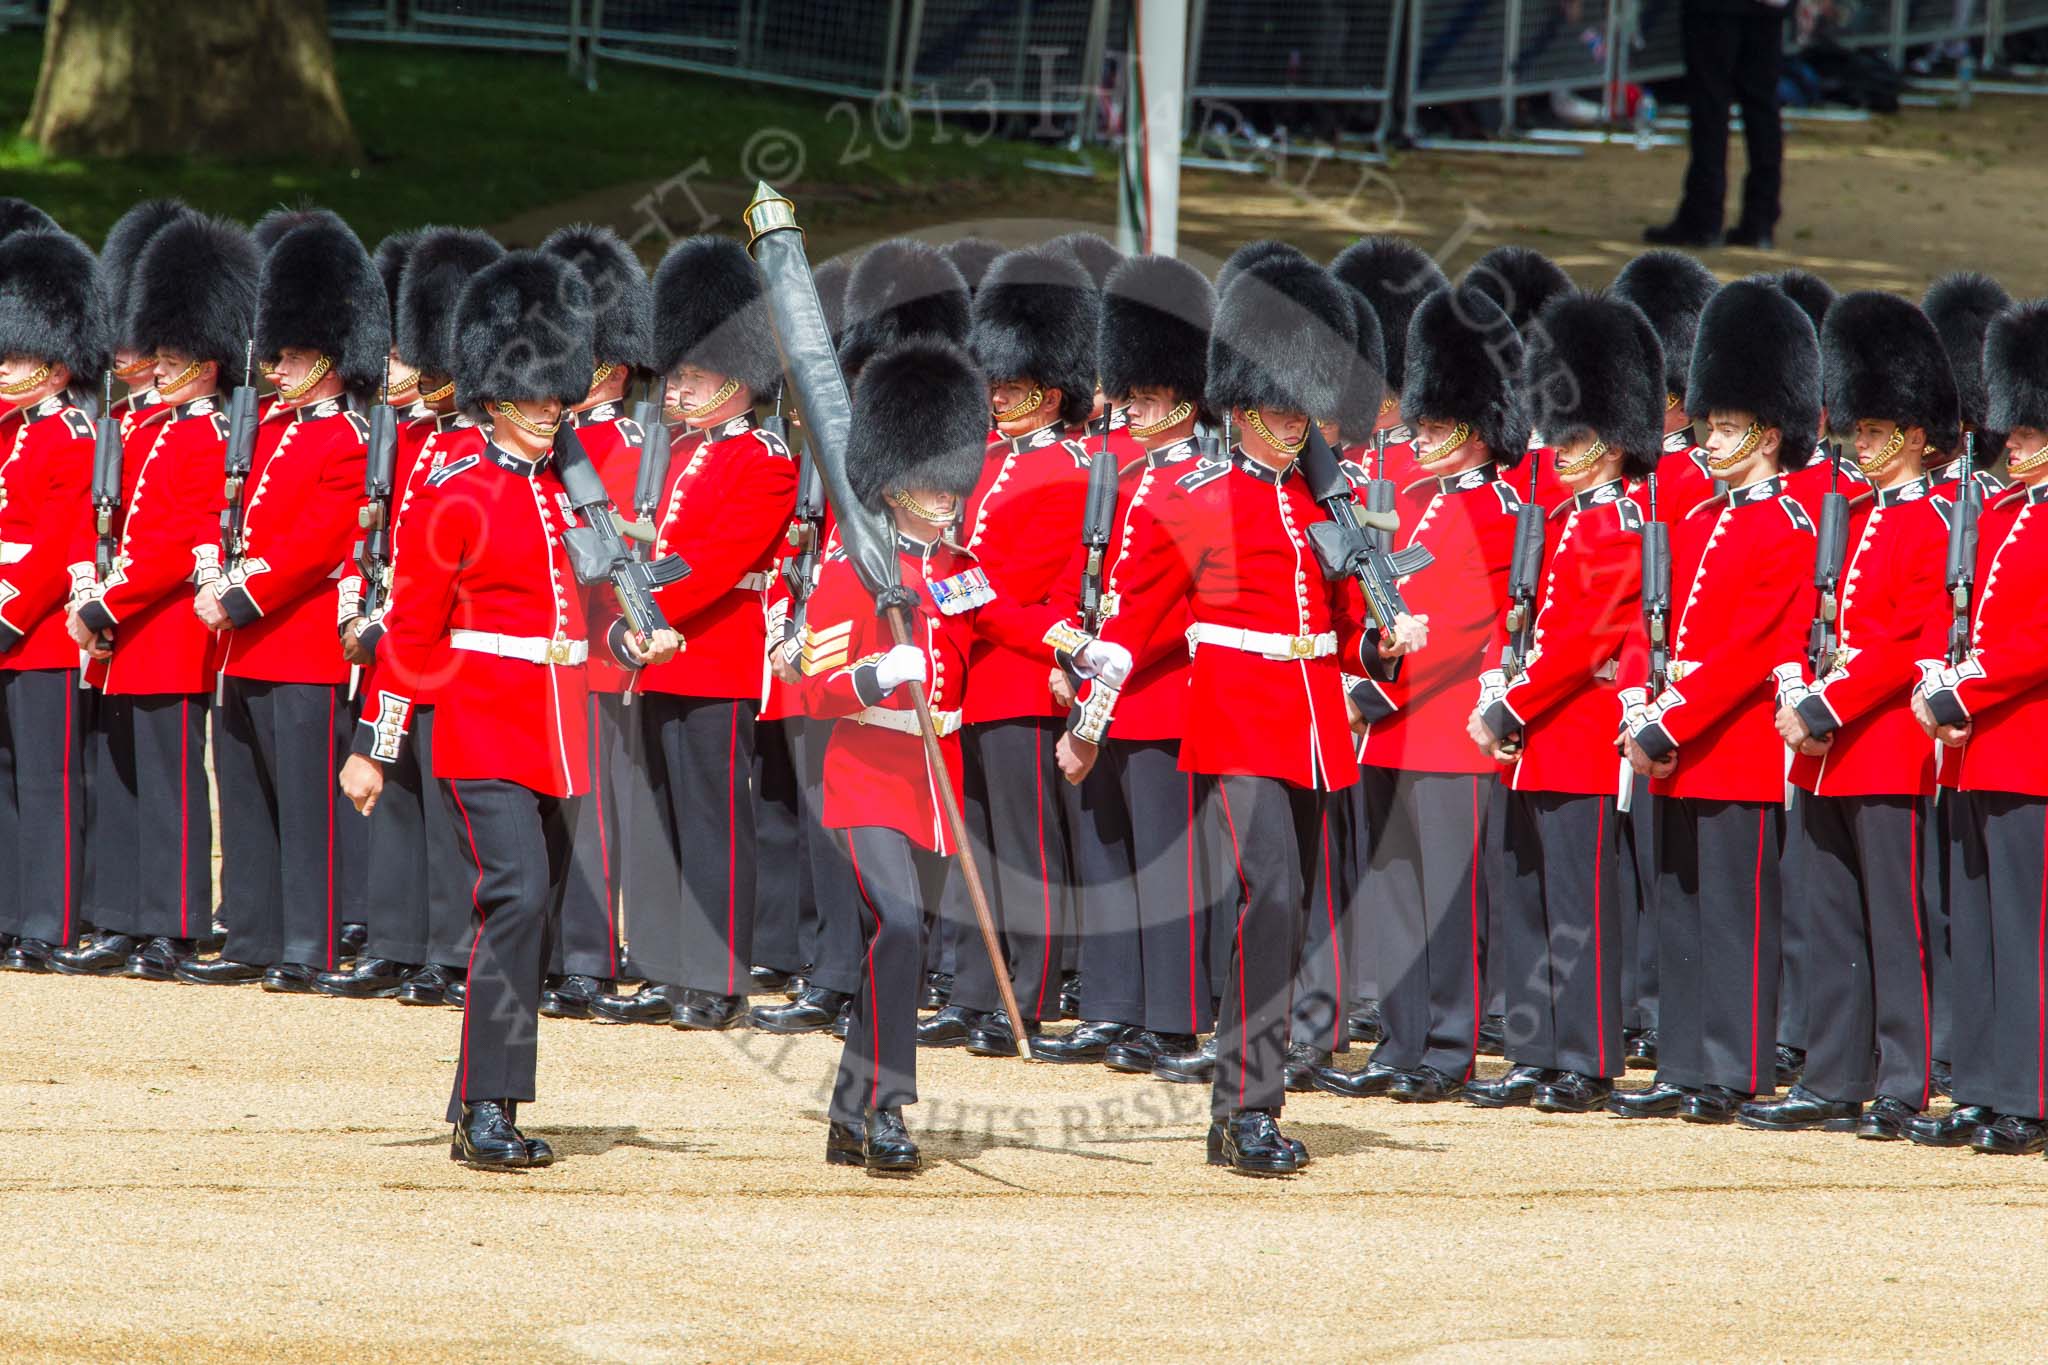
(1638,917)
(1174,890)
(1268,830)
(1013,807)
(1938,856)
(418,876)
(1998,931)
(1424,881)
(1105,898)
(151,834)
(518,843)
(42,803)
(588,944)
(277,750)
(1323,986)
(833,938)
(783,900)
(1560,923)
(894,881)
(1864,883)
(691,917)
(1795,947)
(1717,924)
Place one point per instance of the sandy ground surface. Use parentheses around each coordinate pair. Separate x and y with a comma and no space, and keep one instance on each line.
(197,1173)
(1890,203)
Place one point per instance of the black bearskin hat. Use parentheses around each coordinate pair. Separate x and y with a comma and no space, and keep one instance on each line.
(972,256)
(1156,316)
(1672,289)
(50,305)
(523,328)
(1595,367)
(1035,318)
(194,290)
(1093,252)
(438,267)
(1757,352)
(390,258)
(1249,255)
(920,420)
(1813,294)
(1520,279)
(1285,338)
(830,280)
(131,232)
(1881,360)
(1465,365)
(321,291)
(1961,307)
(1395,278)
(711,311)
(271,228)
(2016,368)
(18,215)
(619,290)
(901,289)
(1366,386)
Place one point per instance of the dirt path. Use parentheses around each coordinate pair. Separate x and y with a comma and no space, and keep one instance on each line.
(218,1174)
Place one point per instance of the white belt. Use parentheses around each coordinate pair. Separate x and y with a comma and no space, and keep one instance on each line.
(754,582)
(530,649)
(905,722)
(13,551)
(1264,642)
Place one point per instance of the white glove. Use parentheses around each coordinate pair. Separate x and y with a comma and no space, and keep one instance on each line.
(904,663)
(1101,659)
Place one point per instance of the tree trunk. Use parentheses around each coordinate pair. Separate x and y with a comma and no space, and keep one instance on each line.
(247,78)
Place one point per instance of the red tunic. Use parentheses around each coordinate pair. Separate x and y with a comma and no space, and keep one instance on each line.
(1564,700)
(46,531)
(1154,702)
(1893,612)
(486,566)
(876,775)
(730,493)
(1742,593)
(298,529)
(1226,544)
(171,467)
(1417,722)
(1021,524)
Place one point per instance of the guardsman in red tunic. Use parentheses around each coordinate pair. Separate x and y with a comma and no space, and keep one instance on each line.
(901,290)
(1740,588)
(586,958)
(1988,712)
(487,614)
(416,894)
(193,303)
(920,419)
(1672,288)
(284,715)
(1594,372)
(731,488)
(52,348)
(1035,320)
(135,369)
(1227,544)
(1864,770)
(1428,791)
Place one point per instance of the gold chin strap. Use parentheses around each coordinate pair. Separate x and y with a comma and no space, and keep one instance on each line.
(129,373)
(1460,434)
(306,385)
(21,386)
(409,382)
(180,380)
(447,390)
(713,403)
(1180,414)
(1023,409)
(919,510)
(1389,403)
(511,413)
(1671,400)
(1259,428)
(602,372)
(1751,439)
(1883,459)
(1595,453)
(2027,464)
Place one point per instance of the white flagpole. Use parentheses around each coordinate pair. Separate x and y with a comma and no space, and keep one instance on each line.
(1155,81)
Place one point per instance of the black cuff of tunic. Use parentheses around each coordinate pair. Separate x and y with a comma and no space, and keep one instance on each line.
(240,606)
(615,640)
(1656,742)
(1819,717)
(866,685)
(96,616)
(1946,707)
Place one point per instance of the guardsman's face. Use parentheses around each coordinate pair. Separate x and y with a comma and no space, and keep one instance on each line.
(1432,432)
(19,369)
(179,380)
(1876,456)
(1290,427)
(291,367)
(935,510)
(1736,451)
(690,387)
(1566,458)
(2023,444)
(1149,405)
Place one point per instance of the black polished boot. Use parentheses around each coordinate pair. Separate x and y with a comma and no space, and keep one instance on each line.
(768,980)
(221,971)
(569,997)
(538,1153)
(938,989)
(1885,1119)
(1517,1087)
(2011,1135)
(886,1146)
(1953,1129)
(843,1142)
(1712,1104)
(1493,1036)
(368,978)
(1569,1092)
(653,1005)
(26,955)
(158,959)
(1088,1042)
(1188,1068)
(1790,1065)
(1657,1100)
(1070,996)
(949,1027)
(487,1139)
(426,985)
(703,1012)
(1798,1110)
(815,1009)
(995,1038)
(1299,1070)
(1364,1023)
(354,938)
(289,978)
(1639,1049)
(1373,1079)
(102,955)
(1134,1053)
(1250,1142)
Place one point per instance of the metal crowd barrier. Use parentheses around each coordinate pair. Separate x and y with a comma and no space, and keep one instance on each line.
(1310,51)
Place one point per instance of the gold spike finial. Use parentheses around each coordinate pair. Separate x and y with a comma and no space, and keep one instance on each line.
(769,212)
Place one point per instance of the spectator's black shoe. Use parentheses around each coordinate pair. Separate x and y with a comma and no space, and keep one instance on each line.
(1755,238)
(1681,234)
(1885,1120)
(1364,1023)
(569,997)
(158,959)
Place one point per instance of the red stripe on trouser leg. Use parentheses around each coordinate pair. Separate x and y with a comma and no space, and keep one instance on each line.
(1920,943)
(1244,1023)
(1045,887)
(1756,952)
(185,818)
(2041,990)
(1472,875)
(874,990)
(732,857)
(1599,973)
(1337,1024)
(1194,942)
(70,706)
(604,854)
(330,840)
(476,941)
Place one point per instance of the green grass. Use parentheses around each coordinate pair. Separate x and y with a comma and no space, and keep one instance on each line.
(477,138)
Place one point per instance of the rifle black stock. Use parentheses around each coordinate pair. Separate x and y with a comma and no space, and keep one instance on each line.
(1657,594)
(380,468)
(106,485)
(1962,553)
(1097,522)
(1345,548)
(598,550)
(241,454)
(1824,639)
(651,475)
